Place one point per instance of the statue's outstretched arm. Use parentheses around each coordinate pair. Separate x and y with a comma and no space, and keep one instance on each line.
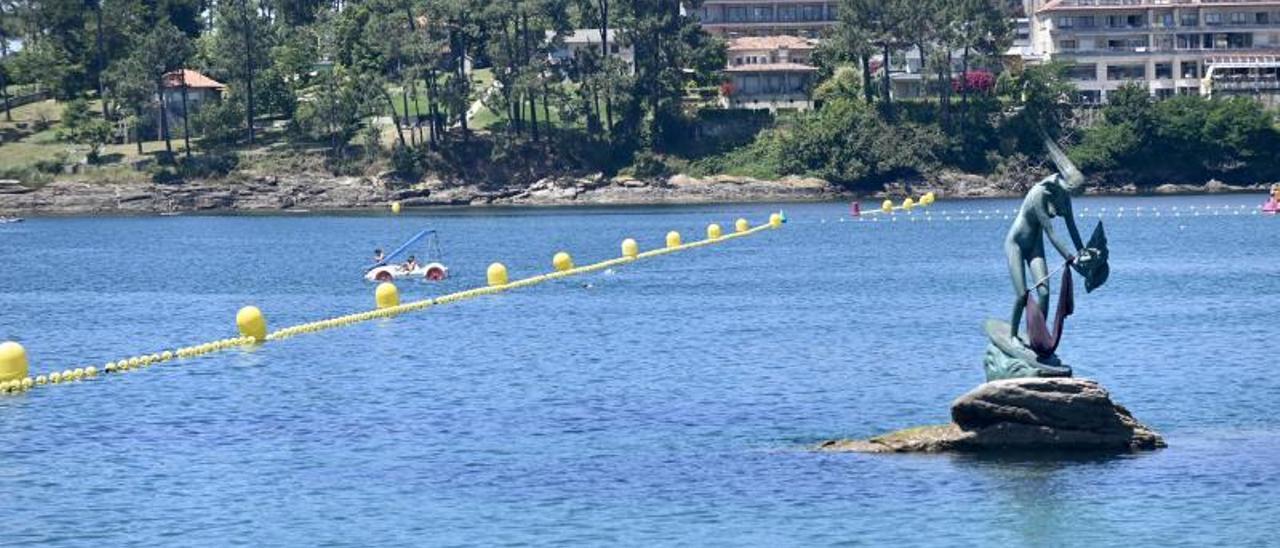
(1072,178)
(1069,217)
(1047,223)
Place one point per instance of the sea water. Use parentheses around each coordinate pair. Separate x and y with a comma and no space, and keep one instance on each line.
(671,401)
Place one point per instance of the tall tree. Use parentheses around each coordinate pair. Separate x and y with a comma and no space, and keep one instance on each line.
(141,76)
(666,43)
(239,51)
(882,23)
(981,27)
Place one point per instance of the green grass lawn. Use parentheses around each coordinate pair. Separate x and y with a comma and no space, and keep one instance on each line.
(481,79)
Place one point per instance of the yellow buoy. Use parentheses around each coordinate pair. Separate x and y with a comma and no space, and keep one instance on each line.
(27,383)
(908,204)
(630,248)
(91,371)
(928,198)
(41,379)
(562,262)
(395,207)
(714,232)
(387,295)
(13,361)
(887,206)
(252,323)
(741,225)
(55,377)
(673,239)
(775,220)
(497,275)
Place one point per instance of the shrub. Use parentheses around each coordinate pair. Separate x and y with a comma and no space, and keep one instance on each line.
(220,123)
(81,127)
(847,142)
(648,165)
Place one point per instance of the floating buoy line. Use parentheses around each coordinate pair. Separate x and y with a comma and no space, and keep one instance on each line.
(901,214)
(252,324)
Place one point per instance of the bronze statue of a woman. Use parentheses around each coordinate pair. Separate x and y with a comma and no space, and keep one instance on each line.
(1024,245)
(1009,355)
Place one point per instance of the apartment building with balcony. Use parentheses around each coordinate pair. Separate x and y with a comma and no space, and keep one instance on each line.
(1169,46)
(734,18)
(769,73)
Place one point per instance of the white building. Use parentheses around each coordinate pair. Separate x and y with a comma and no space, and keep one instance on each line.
(734,18)
(568,47)
(1169,46)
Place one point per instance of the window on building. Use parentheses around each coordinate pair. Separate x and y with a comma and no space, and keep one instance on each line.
(1190,70)
(1190,19)
(1064,22)
(1164,93)
(1164,43)
(1087,22)
(1164,71)
(1213,19)
(1239,18)
(1085,72)
(1135,21)
(762,14)
(1126,72)
(787,13)
(1068,45)
(1091,97)
(1261,18)
(1165,19)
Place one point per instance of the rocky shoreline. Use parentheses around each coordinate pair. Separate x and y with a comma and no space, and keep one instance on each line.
(303,192)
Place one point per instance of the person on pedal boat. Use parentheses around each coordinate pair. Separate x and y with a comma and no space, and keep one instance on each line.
(411,265)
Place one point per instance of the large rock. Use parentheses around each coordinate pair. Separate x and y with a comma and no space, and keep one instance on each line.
(1023,414)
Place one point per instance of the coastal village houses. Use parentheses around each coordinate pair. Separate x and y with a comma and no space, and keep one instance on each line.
(769,72)
(200,89)
(1205,47)
(573,44)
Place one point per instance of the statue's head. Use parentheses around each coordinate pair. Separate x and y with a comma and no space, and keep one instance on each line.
(1057,195)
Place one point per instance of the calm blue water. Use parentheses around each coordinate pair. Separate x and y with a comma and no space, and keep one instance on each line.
(668,403)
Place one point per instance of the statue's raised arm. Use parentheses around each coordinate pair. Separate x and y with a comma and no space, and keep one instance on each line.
(1071,176)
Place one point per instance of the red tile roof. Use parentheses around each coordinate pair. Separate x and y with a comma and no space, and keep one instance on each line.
(194,80)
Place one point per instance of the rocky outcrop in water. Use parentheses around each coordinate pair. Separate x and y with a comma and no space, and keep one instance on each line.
(1022,414)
